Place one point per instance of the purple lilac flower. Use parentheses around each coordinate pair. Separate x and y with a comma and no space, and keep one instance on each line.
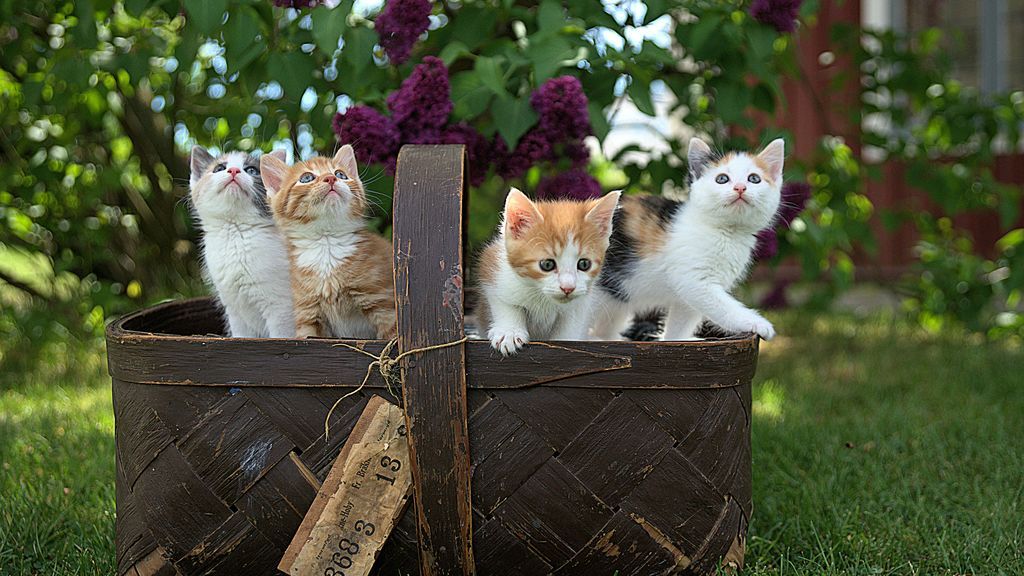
(794,199)
(372,134)
(562,107)
(534,147)
(767,245)
(400,24)
(478,150)
(575,184)
(423,102)
(578,153)
(779,14)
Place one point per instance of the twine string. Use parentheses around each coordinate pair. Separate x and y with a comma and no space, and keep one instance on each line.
(386,365)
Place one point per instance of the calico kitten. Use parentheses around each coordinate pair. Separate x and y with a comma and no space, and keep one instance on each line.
(537,276)
(342,276)
(686,258)
(245,256)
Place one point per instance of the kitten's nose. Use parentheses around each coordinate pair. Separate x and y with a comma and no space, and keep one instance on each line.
(233,172)
(568,289)
(740,188)
(330,178)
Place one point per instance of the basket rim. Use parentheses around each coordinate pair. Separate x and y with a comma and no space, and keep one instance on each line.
(117,332)
(143,357)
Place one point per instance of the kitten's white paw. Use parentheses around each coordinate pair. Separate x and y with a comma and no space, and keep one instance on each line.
(508,340)
(753,322)
(764,329)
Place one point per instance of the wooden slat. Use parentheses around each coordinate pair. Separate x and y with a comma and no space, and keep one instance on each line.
(429,298)
(143,357)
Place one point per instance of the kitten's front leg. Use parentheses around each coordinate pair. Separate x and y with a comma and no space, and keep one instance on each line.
(238,327)
(715,303)
(606,317)
(508,330)
(681,322)
(573,324)
(281,323)
(309,317)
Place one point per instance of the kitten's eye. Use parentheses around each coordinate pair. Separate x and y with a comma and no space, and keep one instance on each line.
(754,179)
(220,167)
(252,171)
(306,178)
(583,264)
(722,178)
(341,175)
(547,264)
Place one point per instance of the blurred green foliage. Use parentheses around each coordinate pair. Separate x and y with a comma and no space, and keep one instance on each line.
(100,100)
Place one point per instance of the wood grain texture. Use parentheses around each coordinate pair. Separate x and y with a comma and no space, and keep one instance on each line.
(179,358)
(429,297)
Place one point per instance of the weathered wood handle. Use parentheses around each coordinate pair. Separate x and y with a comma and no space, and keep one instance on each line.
(428,202)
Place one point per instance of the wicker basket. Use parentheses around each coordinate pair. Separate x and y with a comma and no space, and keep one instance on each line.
(585,458)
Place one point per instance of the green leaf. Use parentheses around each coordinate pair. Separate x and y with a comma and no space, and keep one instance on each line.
(240,32)
(328,26)
(358,51)
(731,100)
(136,7)
(763,98)
(700,35)
(655,9)
(1012,239)
(491,75)
(293,70)
(452,52)
(85,30)
(550,16)
(513,117)
(598,121)
(206,15)
(547,53)
(640,92)
(473,25)
(469,96)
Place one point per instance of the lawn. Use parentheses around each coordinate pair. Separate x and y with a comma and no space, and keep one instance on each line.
(878,449)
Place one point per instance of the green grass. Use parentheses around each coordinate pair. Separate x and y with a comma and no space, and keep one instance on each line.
(878,449)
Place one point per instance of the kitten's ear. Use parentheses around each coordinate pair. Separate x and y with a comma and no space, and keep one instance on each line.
(773,156)
(520,214)
(198,162)
(281,155)
(346,158)
(699,156)
(273,171)
(603,212)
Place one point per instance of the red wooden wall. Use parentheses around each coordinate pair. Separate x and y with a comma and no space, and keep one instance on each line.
(814,108)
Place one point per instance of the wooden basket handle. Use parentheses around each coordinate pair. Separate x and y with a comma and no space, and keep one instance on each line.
(428,209)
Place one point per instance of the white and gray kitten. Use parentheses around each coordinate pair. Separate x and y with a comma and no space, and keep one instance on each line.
(686,257)
(245,256)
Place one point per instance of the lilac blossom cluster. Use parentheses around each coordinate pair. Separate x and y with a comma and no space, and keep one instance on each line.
(563,123)
(779,14)
(419,114)
(400,25)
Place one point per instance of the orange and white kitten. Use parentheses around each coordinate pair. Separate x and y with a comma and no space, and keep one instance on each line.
(341,273)
(537,276)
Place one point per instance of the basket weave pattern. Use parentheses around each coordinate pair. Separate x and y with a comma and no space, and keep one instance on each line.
(217,480)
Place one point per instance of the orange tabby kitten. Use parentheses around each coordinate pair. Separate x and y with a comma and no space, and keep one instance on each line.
(341,273)
(538,276)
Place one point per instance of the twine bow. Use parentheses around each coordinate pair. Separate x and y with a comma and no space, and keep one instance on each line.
(386,365)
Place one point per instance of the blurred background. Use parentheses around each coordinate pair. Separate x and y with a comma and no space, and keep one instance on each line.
(895,272)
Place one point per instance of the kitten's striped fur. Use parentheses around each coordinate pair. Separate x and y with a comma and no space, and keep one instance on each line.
(341,273)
